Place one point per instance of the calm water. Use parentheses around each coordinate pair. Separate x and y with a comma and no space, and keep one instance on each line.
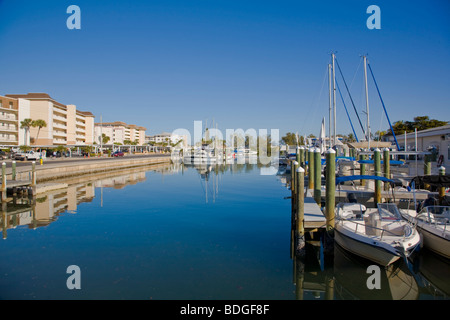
(185,233)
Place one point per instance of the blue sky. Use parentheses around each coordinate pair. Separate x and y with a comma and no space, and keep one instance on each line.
(245,64)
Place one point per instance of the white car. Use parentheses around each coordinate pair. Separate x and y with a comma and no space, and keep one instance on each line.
(29,155)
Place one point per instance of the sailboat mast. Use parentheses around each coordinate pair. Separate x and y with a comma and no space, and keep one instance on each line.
(334,100)
(367,101)
(330,106)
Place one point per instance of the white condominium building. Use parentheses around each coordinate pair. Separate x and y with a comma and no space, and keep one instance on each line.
(119,133)
(65,125)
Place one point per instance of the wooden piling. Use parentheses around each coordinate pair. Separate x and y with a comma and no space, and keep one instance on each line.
(311,169)
(306,167)
(386,167)
(377,169)
(33,177)
(427,168)
(317,176)
(441,189)
(330,201)
(13,173)
(302,157)
(3,182)
(362,169)
(300,212)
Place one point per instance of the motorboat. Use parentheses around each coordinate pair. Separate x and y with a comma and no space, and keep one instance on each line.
(379,235)
(432,217)
(433,223)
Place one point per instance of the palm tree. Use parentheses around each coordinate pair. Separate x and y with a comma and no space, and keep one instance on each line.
(105,138)
(39,123)
(26,124)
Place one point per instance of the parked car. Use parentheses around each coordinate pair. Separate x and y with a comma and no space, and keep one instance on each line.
(29,155)
(19,156)
(3,155)
(118,154)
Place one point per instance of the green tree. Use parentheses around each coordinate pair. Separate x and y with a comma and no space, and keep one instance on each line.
(105,138)
(350,138)
(26,124)
(289,139)
(25,148)
(420,122)
(39,123)
(379,135)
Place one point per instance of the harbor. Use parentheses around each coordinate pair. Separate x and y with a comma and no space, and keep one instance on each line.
(217,206)
(229,159)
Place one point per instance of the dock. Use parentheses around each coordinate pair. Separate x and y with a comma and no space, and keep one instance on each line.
(314,218)
(314,194)
(15,185)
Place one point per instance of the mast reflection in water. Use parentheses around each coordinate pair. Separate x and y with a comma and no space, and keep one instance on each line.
(182,232)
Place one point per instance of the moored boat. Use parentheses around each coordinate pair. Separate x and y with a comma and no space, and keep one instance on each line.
(433,223)
(379,235)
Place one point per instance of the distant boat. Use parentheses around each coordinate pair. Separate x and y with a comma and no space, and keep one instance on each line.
(200,156)
(380,235)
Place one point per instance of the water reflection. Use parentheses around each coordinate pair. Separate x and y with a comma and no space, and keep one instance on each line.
(219,248)
(344,275)
(350,273)
(45,208)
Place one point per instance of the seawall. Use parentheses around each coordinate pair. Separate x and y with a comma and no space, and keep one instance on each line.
(52,172)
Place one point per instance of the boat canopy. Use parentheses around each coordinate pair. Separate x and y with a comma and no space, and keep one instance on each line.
(362,177)
(432,180)
(390,161)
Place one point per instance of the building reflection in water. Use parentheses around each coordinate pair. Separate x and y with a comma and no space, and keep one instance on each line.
(44,208)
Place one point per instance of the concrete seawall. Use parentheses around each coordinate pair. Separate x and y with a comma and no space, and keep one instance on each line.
(51,172)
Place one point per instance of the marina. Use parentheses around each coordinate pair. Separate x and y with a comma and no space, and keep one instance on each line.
(224,155)
(227,234)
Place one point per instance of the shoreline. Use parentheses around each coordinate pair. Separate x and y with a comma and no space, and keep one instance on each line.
(52,176)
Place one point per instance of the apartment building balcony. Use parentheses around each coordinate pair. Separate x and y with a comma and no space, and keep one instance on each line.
(60,111)
(81,130)
(59,118)
(7,108)
(9,118)
(59,125)
(8,140)
(81,124)
(59,133)
(8,129)
(59,141)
